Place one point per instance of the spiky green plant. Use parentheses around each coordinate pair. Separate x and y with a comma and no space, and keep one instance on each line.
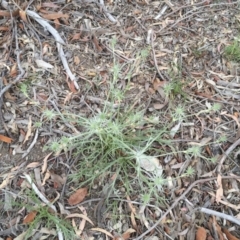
(232,51)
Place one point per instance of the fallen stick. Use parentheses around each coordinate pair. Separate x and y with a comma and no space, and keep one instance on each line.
(221,215)
(44,199)
(31,145)
(110,17)
(165,7)
(59,41)
(225,155)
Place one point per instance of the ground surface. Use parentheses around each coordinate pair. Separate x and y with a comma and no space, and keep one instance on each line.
(164,59)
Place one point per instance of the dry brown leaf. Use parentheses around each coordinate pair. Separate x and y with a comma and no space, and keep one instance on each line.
(157,83)
(8,96)
(13,71)
(58,181)
(19,182)
(220,233)
(8,14)
(77,232)
(43,11)
(133,213)
(233,117)
(76,60)
(5,139)
(126,235)
(33,165)
(50,5)
(216,228)
(57,23)
(5,81)
(4,28)
(91,73)
(76,36)
(30,217)
(117,238)
(21,26)
(96,44)
(219,192)
(52,16)
(132,208)
(103,231)
(6,181)
(78,196)
(72,86)
(29,130)
(42,97)
(78,215)
(229,235)
(137,12)
(44,166)
(159,106)
(23,16)
(68,97)
(83,222)
(46,177)
(201,234)
(162,54)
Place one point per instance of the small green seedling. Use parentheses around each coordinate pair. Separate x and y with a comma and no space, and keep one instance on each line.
(232,51)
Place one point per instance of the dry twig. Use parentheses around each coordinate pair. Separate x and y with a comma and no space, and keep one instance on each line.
(44,199)
(110,17)
(59,41)
(223,158)
(31,145)
(165,7)
(154,56)
(221,215)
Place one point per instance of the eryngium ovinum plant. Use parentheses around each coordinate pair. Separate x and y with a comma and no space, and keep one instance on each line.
(114,144)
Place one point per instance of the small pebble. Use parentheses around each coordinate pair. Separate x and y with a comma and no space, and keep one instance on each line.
(8,104)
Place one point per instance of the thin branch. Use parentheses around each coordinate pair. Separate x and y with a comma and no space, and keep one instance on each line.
(46,26)
(221,215)
(110,17)
(165,7)
(31,145)
(44,199)
(229,150)
(59,41)
(154,56)
(40,195)
(65,64)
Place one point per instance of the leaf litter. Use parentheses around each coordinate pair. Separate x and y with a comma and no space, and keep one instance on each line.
(51,78)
